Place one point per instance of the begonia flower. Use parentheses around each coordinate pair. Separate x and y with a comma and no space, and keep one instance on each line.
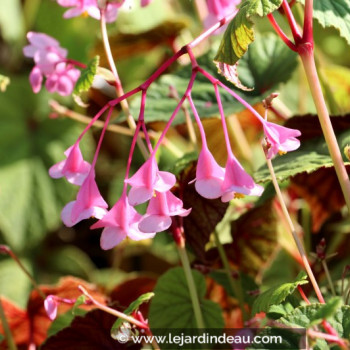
(120,222)
(218,9)
(63,79)
(89,203)
(280,139)
(160,209)
(147,180)
(90,8)
(209,175)
(237,181)
(45,51)
(74,168)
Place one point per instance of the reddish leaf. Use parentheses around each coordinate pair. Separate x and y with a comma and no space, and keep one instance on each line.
(205,214)
(254,237)
(322,192)
(31,326)
(310,127)
(91,332)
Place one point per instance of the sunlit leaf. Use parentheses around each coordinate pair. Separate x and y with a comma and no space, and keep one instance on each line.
(277,295)
(171,306)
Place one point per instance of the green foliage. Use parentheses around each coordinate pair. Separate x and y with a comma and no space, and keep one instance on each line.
(240,33)
(4,81)
(326,311)
(30,143)
(312,155)
(171,306)
(277,295)
(87,76)
(144,298)
(80,301)
(335,14)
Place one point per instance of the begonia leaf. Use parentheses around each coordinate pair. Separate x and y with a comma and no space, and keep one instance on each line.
(171,306)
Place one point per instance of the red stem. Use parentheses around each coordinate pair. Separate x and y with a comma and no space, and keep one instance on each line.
(292,22)
(308,23)
(281,33)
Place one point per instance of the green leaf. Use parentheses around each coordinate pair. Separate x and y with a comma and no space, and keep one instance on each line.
(312,155)
(86,79)
(239,33)
(63,321)
(330,13)
(276,295)
(144,298)
(80,301)
(326,311)
(171,306)
(31,143)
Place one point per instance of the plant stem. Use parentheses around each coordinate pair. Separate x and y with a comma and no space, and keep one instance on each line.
(294,234)
(234,283)
(191,286)
(10,341)
(307,58)
(118,86)
(329,278)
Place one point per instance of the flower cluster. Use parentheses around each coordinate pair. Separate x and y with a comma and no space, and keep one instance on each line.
(50,62)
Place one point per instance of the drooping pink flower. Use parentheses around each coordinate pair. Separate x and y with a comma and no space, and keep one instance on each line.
(36,79)
(120,222)
(91,8)
(45,51)
(89,203)
(145,2)
(160,209)
(63,79)
(280,139)
(209,175)
(74,168)
(51,305)
(147,180)
(238,182)
(218,9)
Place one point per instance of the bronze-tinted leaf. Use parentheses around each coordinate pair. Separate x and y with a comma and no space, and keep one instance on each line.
(205,214)
(322,192)
(91,332)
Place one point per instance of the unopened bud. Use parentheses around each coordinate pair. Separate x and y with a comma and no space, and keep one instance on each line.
(267,103)
(347,152)
(321,249)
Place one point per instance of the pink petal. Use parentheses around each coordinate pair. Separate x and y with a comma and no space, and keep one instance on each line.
(56,170)
(41,40)
(137,235)
(138,195)
(207,167)
(50,305)
(36,79)
(66,214)
(64,86)
(111,237)
(145,2)
(165,181)
(74,12)
(146,175)
(154,223)
(209,188)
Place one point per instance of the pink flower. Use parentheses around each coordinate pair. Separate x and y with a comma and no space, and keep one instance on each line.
(51,305)
(280,139)
(74,168)
(89,203)
(36,79)
(90,7)
(238,182)
(218,9)
(209,175)
(63,79)
(147,180)
(45,51)
(159,211)
(120,222)
(145,2)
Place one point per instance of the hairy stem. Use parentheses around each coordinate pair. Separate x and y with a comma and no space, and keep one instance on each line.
(191,286)
(294,234)
(234,283)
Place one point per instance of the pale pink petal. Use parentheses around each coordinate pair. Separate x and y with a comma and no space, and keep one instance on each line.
(209,188)
(74,12)
(145,2)
(64,86)
(165,181)
(66,214)
(111,237)
(146,175)
(175,205)
(41,40)
(111,13)
(207,167)
(137,235)
(29,50)
(138,195)
(36,79)
(154,223)
(51,83)
(50,305)
(56,170)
